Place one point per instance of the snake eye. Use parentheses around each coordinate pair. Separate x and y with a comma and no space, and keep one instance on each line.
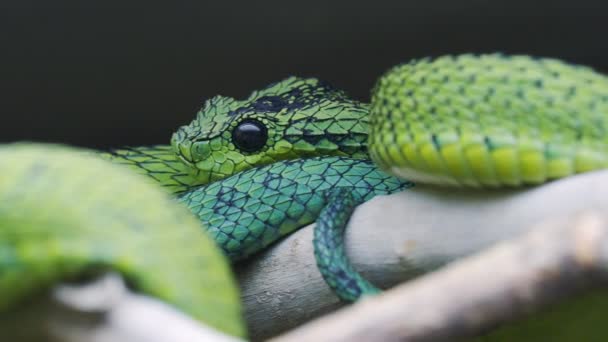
(250,136)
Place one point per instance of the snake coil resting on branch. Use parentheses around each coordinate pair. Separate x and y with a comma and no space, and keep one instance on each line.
(474,121)
(257,169)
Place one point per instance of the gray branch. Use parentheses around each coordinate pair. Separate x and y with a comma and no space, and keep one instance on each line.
(518,277)
(395,238)
(103,310)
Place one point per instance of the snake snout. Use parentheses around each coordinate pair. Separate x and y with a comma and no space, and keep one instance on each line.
(182,146)
(189,150)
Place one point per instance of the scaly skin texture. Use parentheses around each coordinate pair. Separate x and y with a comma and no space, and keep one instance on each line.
(481,121)
(64,212)
(303,118)
(160,162)
(489,121)
(330,254)
(252,209)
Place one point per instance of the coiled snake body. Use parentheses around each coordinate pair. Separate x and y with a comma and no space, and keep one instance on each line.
(255,170)
(489,121)
(64,212)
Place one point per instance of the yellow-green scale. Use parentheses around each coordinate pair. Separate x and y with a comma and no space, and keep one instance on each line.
(64,211)
(489,120)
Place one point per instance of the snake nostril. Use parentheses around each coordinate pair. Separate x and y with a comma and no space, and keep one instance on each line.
(176,139)
(185,150)
(182,146)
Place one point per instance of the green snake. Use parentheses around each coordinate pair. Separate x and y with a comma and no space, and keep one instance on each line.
(254,170)
(64,211)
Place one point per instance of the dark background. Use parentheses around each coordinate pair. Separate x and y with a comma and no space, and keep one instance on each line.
(108,73)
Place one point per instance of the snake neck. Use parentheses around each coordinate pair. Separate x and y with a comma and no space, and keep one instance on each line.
(340,131)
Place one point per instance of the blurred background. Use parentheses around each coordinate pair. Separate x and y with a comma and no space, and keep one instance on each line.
(110,73)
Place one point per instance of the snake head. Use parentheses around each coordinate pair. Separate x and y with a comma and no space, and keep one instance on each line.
(289,119)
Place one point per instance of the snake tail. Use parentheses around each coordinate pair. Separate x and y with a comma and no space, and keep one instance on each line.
(489,120)
(64,211)
(329,250)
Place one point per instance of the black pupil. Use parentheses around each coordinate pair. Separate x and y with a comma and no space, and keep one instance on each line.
(250,136)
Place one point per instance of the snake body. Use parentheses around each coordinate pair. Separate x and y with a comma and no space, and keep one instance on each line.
(478,121)
(489,121)
(64,212)
(252,209)
(257,169)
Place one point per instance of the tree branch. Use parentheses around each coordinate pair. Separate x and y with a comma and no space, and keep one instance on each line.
(396,238)
(520,276)
(103,310)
